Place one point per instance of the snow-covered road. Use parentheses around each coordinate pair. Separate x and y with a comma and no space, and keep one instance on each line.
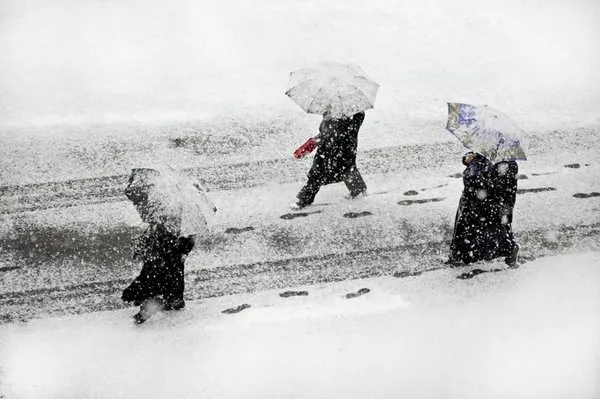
(77,259)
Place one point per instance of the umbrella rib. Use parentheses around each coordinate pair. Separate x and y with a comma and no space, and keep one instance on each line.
(315,97)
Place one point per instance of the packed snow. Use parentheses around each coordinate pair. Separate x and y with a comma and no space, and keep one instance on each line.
(531,333)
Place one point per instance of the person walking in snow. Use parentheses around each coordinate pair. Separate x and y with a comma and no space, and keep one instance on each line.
(335,159)
(173,207)
(483,224)
(470,240)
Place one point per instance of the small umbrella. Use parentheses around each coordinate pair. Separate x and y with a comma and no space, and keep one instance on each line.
(340,89)
(173,199)
(486,131)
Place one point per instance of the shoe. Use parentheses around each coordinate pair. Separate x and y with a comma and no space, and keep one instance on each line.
(148,308)
(176,304)
(296,206)
(141,317)
(511,260)
(354,195)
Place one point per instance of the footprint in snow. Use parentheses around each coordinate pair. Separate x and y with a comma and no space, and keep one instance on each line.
(419,201)
(290,216)
(237,230)
(476,272)
(358,293)
(411,192)
(434,187)
(470,274)
(288,294)
(353,215)
(237,309)
(584,195)
(544,173)
(534,190)
(407,273)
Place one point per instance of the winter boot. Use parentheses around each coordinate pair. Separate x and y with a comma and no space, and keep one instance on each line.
(174,304)
(148,308)
(511,259)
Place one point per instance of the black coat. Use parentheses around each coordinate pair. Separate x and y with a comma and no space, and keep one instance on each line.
(336,155)
(470,241)
(503,194)
(162,254)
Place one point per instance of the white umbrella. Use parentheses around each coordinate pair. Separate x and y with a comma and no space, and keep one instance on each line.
(484,130)
(340,89)
(171,198)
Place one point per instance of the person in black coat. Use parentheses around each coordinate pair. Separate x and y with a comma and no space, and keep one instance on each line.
(335,159)
(503,194)
(160,284)
(471,238)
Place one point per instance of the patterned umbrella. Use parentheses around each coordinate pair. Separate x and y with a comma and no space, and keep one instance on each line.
(342,90)
(171,198)
(486,131)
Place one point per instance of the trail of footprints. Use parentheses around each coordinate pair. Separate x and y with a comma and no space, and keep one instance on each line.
(403,274)
(399,274)
(418,201)
(409,202)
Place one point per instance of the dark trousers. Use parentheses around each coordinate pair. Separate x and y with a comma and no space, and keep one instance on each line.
(156,280)
(353,181)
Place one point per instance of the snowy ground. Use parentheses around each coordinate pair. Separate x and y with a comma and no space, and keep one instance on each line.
(526,333)
(93,88)
(77,259)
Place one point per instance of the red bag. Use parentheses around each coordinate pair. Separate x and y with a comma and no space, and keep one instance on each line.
(306,148)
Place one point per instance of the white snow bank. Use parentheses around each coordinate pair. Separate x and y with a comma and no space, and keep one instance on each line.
(531,333)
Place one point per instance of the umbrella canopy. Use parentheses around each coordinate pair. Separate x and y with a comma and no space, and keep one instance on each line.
(486,131)
(342,90)
(171,198)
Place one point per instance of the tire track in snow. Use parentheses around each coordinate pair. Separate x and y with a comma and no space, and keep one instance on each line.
(232,176)
(242,278)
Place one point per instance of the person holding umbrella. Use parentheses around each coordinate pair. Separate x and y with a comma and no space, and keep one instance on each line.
(341,93)
(335,159)
(470,241)
(173,208)
(483,224)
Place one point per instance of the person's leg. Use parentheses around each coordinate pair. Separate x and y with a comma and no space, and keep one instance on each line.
(173,297)
(455,259)
(355,183)
(143,287)
(511,246)
(307,194)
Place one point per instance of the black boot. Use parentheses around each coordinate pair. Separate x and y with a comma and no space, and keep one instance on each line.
(148,308)
(511,260)
(174,304)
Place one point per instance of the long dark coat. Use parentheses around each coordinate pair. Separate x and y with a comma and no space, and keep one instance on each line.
(162,272)
(470,241)
(503,194)
(336,155)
